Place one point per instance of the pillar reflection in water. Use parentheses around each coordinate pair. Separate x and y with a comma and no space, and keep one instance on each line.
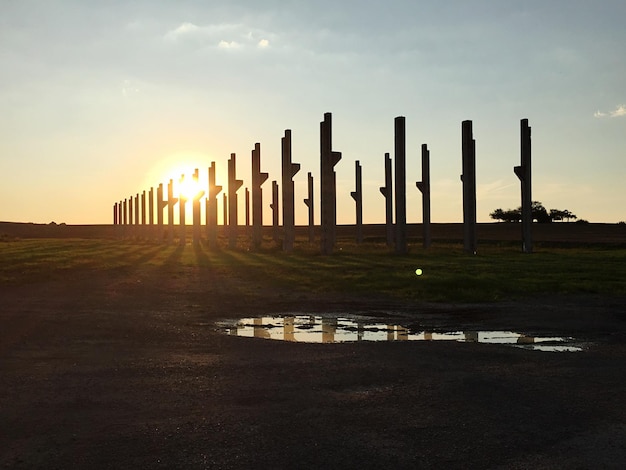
(289,329)
(329,327)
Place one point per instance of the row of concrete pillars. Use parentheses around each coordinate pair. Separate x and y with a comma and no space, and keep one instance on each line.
(133,211)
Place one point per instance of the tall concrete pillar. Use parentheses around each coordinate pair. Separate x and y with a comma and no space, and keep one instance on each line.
(424,187)
(309,203)
(400,193)
(171,201)
(328,186)
(143,208)
(258,178)
(125,217)
(195,208)
(275,212)
(357,195)
(225,211)
(182,224)
(233,186)
(289,171)
(115,214)
(142,228)
(211,208)
(247,199)
(120,212)
(160,206)
(523,172)
(151,206)
(137,212)
(469,187)
(387,192)
(131,229)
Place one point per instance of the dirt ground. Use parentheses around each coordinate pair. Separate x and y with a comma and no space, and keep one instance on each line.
(126,369)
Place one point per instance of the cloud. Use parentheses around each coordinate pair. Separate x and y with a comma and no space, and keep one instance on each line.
(228,45)
(184,29)
(619,111)
(222,35)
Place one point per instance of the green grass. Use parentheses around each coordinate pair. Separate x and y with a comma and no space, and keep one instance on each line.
(496,273)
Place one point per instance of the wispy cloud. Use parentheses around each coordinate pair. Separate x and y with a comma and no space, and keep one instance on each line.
(224,35)
(619,111)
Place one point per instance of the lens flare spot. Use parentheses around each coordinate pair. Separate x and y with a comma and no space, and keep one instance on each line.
(418,271)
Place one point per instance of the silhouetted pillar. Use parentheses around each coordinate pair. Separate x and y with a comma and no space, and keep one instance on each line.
(400,166)
(131,228)
(125,219)
(424,187)
(357,195)
(289,171)
(182,223)
(195,208)
(258,178)
(233,186)
(120,214)
(211,208)
(143,208)
(274,206)
(523,172)
(387,191)
(161,204)
(225,222)
(247,197)
(137,211)
(115,214)
(171,201)
(328,186)
(469,187)
(151,212)
(309,203)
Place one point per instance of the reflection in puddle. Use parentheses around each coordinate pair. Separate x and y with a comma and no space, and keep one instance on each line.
(325,329)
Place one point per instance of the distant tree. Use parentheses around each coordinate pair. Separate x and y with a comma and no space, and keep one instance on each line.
(539,213)
(509,215)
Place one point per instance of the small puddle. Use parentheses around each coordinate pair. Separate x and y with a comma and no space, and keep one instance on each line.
(326,329)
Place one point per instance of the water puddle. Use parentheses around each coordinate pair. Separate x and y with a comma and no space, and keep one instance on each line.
(326,329)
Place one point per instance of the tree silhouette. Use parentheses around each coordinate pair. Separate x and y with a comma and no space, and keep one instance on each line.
(539,213)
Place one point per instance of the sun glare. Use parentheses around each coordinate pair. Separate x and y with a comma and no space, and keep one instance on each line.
(188,187)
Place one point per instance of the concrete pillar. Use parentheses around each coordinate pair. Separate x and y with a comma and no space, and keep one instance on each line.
(182,223)
(328,186)
(195,208)
(247,198)
(387,192)
(131,228)
(233,186)
(523,172)
(424,187)
(357,195)
(258,178)
(120,214)
(115,214)
(310,204)
(211,208)
(225,210)
(125,230)
(143,208)
(161,204)
(289,170)
(151,206)
(171,201)
(469,187)
(400,193)
(274,207)
(137,212)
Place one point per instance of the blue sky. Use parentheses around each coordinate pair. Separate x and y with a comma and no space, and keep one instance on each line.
(101,100)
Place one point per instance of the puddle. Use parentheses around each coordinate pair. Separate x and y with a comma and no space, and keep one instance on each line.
(326,329)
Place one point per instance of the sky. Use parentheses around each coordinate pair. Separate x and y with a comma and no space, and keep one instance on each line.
(102,100)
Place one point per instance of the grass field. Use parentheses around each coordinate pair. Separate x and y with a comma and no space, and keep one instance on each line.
(498,272)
